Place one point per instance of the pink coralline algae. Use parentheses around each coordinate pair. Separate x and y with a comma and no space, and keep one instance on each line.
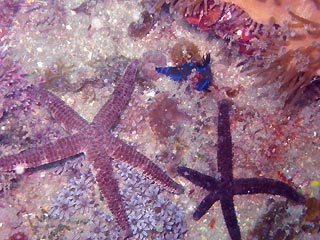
(13,86)
(16,106)
(8,10)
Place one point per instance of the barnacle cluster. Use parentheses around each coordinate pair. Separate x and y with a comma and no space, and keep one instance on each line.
(77,202)
(150,212)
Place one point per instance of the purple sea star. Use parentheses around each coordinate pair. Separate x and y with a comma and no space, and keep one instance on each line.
(224,188)
(96,142)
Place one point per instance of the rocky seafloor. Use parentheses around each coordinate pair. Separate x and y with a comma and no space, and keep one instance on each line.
(78,50)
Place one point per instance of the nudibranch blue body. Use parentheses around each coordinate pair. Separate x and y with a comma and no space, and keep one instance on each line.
(201,69)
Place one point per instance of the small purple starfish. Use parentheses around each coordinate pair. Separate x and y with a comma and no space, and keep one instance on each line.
(226,187)
(97,143)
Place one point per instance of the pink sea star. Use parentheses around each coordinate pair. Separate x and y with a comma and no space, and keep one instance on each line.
(96,142)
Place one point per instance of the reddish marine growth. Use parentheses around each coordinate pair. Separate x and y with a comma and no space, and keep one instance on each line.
(8,10)
(166,119)
(18,236)
(225,20)
(279,39)
(142,27)
(230,22)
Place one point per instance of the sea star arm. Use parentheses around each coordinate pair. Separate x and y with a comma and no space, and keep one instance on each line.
(268,186)
(119,150)
(113,108)
(224,152)
(51,152)
(225,188)
(197,178)
(224,158)
(206,204)
(108,186)
(60,111)
(229,214)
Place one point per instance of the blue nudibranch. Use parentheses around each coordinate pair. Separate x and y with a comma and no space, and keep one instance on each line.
(184,70)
